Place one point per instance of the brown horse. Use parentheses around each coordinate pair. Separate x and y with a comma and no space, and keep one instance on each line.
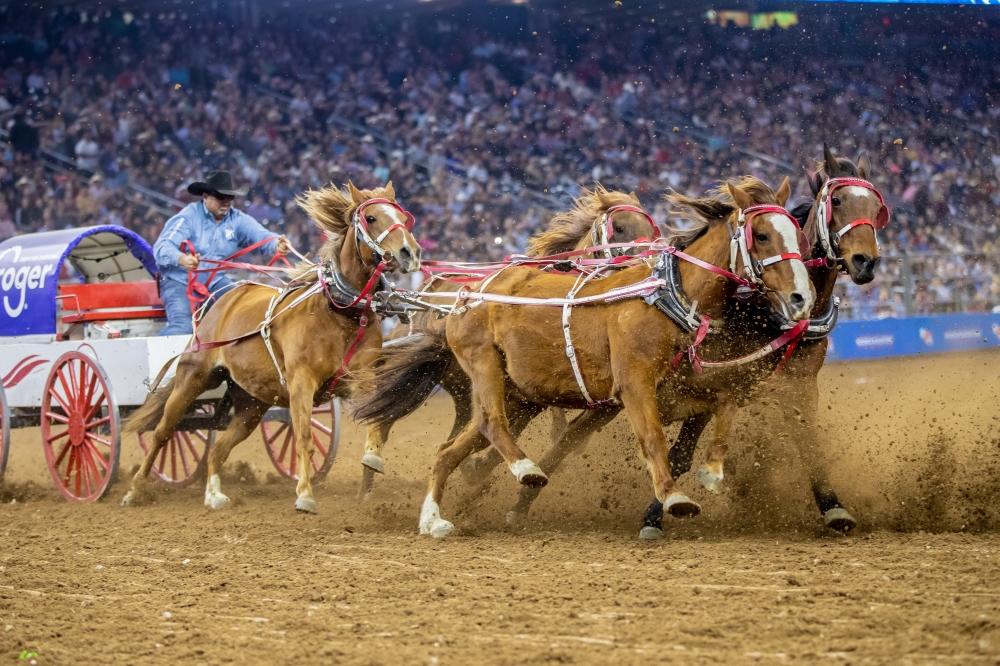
(794,389)
(586,224)
(309,336)
(625,348)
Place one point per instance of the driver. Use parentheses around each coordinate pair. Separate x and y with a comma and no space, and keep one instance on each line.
(216,230)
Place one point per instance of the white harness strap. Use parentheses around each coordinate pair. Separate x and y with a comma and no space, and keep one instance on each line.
(455,310)
(570,349)
(269,317)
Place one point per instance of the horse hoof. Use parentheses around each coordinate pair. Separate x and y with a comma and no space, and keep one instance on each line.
(839,519)
(711,480)
(529,474)
(127,500)
(217,501)
(437,528)
(680,505)
(373,462)
(650,533)
(516,518)
(306,505)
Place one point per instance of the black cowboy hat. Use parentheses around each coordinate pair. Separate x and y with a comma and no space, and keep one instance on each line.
(217,181)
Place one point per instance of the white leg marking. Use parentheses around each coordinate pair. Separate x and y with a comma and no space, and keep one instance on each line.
(524,467)
(214,499)
(650,533)
(431,521)
(710,479)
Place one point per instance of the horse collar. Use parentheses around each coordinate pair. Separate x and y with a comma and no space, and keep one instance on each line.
(336,286)
(671,299)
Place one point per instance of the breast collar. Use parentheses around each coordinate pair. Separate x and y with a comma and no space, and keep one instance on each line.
(385,300)
(671,299)
(338,289)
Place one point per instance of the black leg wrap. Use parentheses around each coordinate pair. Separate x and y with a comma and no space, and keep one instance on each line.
(654,515)
(826,499)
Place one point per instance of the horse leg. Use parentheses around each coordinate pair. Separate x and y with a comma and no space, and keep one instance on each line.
(800,404)
(559,424)
(302,388)
(449,456)
(575,435)
(680,457)
(247,413)
(188,385)
(710,475)
(371,462)
(638,394)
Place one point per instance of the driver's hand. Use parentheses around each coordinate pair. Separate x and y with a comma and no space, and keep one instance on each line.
(283,246)
(189,261)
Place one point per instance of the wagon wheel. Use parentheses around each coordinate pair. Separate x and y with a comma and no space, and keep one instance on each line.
(4,431)
(80,428)
(279,440)
(183,458)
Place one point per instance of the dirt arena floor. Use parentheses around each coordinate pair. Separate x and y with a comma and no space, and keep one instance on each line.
(914,448)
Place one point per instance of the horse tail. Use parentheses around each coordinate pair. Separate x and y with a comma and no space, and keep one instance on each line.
(403,378)
(148,416)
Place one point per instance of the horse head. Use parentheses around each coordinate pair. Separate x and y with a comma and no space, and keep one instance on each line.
(384,227)
(848,210)
(767,247)
(621,220)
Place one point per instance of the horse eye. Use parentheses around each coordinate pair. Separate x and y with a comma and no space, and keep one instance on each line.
(836,201)
(619,230)
(370,219)
(761,237)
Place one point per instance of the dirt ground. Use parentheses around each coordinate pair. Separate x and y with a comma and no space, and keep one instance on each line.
(914,450)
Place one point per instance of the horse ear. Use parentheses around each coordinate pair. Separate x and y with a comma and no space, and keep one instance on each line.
(741,198)
(864,165)
(813,179)
(604,198)
(634,198)
(389,192)
(356,195)
(785,191)
(830,162)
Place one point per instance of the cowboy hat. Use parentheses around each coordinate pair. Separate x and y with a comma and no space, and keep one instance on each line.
(217,181)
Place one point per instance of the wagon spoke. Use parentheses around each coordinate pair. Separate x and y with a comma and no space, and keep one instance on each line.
(97,454)
(57,417)
(98,438)
(94,406)
(319,426)
(91,388)
(62,403)
(163,457)
(88,466)
(284,448)
(69,466)
(193,450)
(320,451)
(100,421)
(72,389)
(277,433)
(62,454)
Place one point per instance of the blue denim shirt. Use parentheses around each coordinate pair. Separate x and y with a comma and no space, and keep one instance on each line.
(211,239)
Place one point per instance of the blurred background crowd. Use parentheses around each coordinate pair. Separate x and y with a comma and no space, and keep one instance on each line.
(107,117)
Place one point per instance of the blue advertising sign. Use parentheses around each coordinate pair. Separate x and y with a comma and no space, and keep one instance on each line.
(914,335)
(29,272)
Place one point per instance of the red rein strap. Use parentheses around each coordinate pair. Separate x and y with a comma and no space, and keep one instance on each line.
(197,292)
(833,184)
(609,227)
(791,337)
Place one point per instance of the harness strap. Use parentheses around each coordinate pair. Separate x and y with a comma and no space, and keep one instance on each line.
(571,350)
(793,335)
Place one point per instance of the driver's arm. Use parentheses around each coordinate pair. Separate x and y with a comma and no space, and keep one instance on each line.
(250,231)
(167,250)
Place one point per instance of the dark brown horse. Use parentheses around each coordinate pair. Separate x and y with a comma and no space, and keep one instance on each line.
(598,217)
(795,389)
(625,348)
(310,337)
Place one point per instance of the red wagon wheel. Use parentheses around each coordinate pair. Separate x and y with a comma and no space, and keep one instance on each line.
(4,431)
(279,440)
(183,458)
(80,428)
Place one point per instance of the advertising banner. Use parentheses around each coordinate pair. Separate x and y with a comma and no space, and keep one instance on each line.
(914,335)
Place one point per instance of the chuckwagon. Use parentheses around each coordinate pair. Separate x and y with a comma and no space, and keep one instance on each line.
(78,349)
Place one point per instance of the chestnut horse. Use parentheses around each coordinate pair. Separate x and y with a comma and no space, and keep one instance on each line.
(597,218)
(795,389)
(624,347)
(314,338)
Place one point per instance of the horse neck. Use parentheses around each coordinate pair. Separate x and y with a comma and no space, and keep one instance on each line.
(824,278)
(356,261)
(703,286)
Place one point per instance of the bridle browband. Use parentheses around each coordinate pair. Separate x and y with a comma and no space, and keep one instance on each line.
(830,240)
(741,242)
(604,229)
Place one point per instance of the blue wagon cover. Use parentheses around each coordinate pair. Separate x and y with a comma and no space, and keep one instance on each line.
(30,267)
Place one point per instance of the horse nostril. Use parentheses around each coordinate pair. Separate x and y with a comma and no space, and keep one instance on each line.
(874,264)
(797,299)
(405,254)
(861,262)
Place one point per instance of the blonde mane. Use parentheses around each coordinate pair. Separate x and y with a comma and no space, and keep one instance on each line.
(715,207)
(566,229)
(331,208)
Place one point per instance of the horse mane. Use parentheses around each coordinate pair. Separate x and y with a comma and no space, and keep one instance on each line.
(710,210)
(331,208)
(567,228)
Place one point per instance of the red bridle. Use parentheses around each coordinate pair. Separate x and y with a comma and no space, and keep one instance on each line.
(742,241)
(830,240)
(362,224)
(605,228)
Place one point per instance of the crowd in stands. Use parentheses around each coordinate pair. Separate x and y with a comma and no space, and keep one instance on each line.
(484,138)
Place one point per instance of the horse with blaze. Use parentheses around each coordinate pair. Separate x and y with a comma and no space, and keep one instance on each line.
(517,363)
(312,342)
